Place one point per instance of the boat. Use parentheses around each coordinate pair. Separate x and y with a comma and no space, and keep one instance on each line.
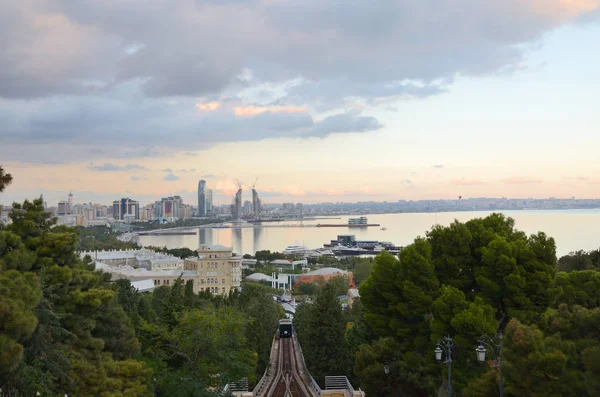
(221,226)
(384,228)
(342,250)
(295,250)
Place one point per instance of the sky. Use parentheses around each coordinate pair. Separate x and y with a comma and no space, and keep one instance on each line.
(322,101)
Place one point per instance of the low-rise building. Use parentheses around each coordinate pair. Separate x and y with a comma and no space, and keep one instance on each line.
(324,275)
(284,263)
(215,270)
(137,259)
(353,296)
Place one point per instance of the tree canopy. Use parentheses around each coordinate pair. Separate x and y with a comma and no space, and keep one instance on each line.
(464,280)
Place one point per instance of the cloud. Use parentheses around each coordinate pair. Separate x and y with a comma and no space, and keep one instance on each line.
(145,124)
(295,191)
(138,178)
(171,177)
(183,170)
(517,180)
(467,182)
(226,186)
(167,170)
(82,76)
(390,49)
(242,111)
(114,167)
(208,107)
(438,166)
(577,178)
(208,176)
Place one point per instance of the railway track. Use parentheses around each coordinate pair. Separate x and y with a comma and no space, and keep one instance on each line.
(287,382)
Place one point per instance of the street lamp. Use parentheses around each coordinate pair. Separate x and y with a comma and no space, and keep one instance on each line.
(495,345)
(445,346)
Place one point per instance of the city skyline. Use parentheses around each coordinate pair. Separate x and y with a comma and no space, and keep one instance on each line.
(499,102)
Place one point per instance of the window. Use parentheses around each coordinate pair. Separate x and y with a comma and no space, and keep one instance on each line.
(223,289)
(223,281)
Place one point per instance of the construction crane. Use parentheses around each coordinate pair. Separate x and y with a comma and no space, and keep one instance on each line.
(254,184)
(238,183)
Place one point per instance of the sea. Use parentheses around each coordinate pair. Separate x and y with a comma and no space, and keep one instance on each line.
(572,230)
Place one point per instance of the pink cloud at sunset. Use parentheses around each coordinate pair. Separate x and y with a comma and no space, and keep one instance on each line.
(242,111)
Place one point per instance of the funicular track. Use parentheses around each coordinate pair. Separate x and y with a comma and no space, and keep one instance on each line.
(288,382)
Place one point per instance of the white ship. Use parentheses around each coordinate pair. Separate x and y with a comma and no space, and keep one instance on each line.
(296,250)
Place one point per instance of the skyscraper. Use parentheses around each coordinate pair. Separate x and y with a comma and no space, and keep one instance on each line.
(237,204)
(255,203)
(247,208)
(202,198)
(209,200)
(126,206)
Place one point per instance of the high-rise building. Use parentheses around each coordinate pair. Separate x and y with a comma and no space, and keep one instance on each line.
(124,207)
(158,210)
(255,203)
(63,208)
(70,199)
(202,198)
(247,208)
(237,204)
(171,207)
(209,200)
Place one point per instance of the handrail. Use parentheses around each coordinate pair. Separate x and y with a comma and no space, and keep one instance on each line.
(261,384)
(314,385)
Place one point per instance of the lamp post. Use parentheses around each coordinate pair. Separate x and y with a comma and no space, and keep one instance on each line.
(445,346)
(495,345)
(386,369)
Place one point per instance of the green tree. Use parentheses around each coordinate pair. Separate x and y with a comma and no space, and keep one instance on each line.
(340,285)
(190,298)
(580,260)
(463,280)
(19,295)
(537,365)
(79,341)
(361,269)
(210,345)
(407,371)
(256,302)
(5,179)
(321,331)
(578,288)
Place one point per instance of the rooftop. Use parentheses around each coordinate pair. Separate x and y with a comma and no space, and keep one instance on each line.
(215,247)
(129,271)
(326,270)
(259,277)
(143,285)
